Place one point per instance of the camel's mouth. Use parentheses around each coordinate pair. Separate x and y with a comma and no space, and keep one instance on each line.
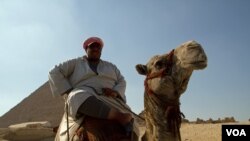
(199,64)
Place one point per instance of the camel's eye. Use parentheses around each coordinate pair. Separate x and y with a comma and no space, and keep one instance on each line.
(159,64)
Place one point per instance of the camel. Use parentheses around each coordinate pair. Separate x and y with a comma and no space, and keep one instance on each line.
(167,78)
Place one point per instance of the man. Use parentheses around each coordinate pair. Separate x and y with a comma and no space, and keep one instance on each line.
(83,78)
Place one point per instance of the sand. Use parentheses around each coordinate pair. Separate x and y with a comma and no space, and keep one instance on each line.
(203,132)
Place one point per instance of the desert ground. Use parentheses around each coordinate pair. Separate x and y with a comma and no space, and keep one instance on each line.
(203,132)
(189,132)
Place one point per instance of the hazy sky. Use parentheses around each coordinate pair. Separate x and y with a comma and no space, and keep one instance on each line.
(35,35)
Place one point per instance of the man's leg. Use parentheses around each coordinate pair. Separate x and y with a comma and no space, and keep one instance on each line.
(93,107)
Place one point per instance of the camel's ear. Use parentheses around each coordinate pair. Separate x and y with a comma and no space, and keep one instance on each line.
(141,69)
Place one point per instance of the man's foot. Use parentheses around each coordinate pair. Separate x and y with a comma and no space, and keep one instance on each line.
(122,118)
(125,118)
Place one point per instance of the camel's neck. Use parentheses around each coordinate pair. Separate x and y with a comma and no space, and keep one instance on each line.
(163,118)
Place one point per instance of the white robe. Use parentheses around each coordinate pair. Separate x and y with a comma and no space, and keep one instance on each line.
(76,74)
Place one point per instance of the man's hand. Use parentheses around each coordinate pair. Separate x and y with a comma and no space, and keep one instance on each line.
(109,92)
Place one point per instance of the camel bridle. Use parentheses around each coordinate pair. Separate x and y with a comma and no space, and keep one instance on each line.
(163,72)
(172,111)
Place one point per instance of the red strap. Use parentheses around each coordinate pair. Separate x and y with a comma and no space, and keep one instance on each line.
(161,73)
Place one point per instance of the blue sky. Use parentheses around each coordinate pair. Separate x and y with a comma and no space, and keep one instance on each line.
(36,35)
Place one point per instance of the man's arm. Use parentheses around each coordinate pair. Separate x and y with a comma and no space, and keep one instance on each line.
(58,77)
(120,86)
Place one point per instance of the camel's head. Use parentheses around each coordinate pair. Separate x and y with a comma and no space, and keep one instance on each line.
(168,74)
(191,55)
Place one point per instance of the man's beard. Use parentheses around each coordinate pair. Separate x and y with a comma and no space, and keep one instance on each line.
(93,59)
(94,56)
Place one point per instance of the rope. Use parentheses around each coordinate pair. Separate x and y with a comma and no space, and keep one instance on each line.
(67,116)
(129,110)
(118,102)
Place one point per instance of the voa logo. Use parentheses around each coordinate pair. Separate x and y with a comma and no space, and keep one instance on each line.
(236,132)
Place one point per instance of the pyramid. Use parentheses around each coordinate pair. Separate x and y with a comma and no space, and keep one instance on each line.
(38,106)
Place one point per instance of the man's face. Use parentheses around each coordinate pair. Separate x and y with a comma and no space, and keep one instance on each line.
(94,52)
